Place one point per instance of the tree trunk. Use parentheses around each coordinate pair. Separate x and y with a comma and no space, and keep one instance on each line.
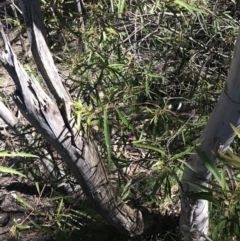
(217,135)
(12,121)
(51,118)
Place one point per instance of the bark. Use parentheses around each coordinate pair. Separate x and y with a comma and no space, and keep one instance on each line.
(36,34)
(217,135)
(12,121)
(9,118)
(52,120)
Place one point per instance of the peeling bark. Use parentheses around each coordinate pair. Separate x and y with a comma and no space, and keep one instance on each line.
(52,120)
(43,57)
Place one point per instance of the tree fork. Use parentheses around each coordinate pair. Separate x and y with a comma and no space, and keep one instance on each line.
(54,124)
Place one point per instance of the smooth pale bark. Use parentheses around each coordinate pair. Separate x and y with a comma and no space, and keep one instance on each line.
(9,118)
(217,135)
(51,118)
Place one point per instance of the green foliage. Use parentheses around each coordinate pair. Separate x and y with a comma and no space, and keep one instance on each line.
(83,114)
(145,76)
(155,79)
(145,68)
(16,154)
(9,170)
(223,193)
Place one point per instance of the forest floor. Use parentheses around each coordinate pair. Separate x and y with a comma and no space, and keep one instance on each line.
(27,214)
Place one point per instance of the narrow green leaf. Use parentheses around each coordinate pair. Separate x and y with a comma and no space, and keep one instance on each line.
(199,186)
(42,228)
(124,120)
(223,179)
(21,200)
(37,187)
(219,229)
(101,57)
(189,166)
(190,8)
(107,136)
(209,165)
(58,197)
(11,171)
(79,119)
(121,6)
(237,229)
(230,158)
(14,154)
(181,154)
(146,146)
(112,6)
(78,213)
(221,225)
(126,188)
(157,185)
(147,90)
(235,130)
(60,206)
(22,227)
(116,66)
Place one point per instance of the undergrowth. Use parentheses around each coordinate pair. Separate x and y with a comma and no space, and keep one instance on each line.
(144,76)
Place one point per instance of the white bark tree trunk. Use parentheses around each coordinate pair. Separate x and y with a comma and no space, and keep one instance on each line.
(217,135)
